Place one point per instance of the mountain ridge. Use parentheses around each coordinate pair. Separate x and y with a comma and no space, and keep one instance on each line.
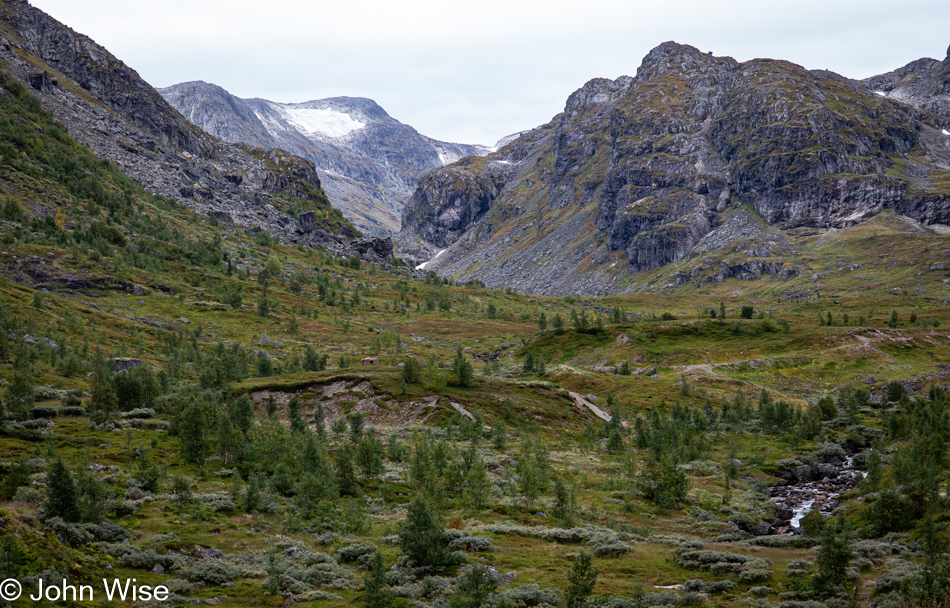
(106,106)
(368,161)
(636,171)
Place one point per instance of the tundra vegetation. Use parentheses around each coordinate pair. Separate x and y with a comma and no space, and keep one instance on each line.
(184,403)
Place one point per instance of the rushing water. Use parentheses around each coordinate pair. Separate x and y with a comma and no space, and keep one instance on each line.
(811,488)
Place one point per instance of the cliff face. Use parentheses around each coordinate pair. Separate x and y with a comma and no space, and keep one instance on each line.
(105,105)
(368,161)
(636,172)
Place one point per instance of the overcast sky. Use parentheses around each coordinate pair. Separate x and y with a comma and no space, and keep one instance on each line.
(475,71)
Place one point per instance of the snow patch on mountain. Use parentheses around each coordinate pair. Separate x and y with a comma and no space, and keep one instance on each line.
(320,121)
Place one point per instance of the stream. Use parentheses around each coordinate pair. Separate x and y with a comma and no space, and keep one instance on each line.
(811,487)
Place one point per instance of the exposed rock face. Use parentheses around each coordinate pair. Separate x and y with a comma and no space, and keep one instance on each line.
(106,106)
(637,172)
(368,161)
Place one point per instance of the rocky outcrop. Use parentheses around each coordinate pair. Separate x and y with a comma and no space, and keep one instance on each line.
(369,161)
(637,172)
(924,84)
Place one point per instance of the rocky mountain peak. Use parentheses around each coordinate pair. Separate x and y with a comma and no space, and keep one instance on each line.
(636,172)
(368,162)
(682,59)
(597,90)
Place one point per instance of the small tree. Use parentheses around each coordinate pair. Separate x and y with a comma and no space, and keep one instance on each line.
(463,369)
(543,322)
(423,537)
(345,475)
(375,594)
(473,589)
(833,558)
(581,579)
(191,431)
(62,497)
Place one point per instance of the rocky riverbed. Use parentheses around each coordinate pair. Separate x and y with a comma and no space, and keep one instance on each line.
(809,487)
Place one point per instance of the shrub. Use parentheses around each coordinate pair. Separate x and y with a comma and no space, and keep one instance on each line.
(72,410)
(147,559)
(30,495)
(530,595)
(472,544)
(139,412)
(352,553)
(211,572)
(754,576)
(216,502)
(44,411)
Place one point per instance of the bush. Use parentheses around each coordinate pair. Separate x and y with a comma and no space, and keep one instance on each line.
(44,411)
(30,495)
(530,595)
(354,552)
(139,412)
(754,576)
(216,502)
(72,410)
(110,532)
(211,572)
(712,560)
(472,544)
(146,560)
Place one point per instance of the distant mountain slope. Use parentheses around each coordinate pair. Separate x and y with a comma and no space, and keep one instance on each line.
(105,105)
(636,172)
(369,162)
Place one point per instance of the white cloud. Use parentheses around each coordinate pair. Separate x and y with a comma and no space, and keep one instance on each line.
(476,71)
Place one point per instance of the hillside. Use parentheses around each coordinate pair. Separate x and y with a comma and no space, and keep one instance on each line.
(105,105)
(642,172)
(183,404)
(369,162)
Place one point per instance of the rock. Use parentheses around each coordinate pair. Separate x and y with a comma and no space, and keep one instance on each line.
(824,470)
(119,365)
(210,553)
(158,569)
(763,528)
(184,320)
(265,339)
(291,552)
(736,463)
(870,380)
(279,344)
(802,473)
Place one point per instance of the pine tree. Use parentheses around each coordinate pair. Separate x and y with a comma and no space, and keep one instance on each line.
(473,588)
(345,476)
(581,579)
(833,559)
(423,537)
(229,438)
(375,594)
(463,369)
(191,431)
(62,497)
(543,322)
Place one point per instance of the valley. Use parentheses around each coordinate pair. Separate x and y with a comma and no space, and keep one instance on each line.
(565,385)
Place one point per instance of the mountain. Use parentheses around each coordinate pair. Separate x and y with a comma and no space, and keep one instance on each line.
(105,105)
(642,172)
(369,162)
